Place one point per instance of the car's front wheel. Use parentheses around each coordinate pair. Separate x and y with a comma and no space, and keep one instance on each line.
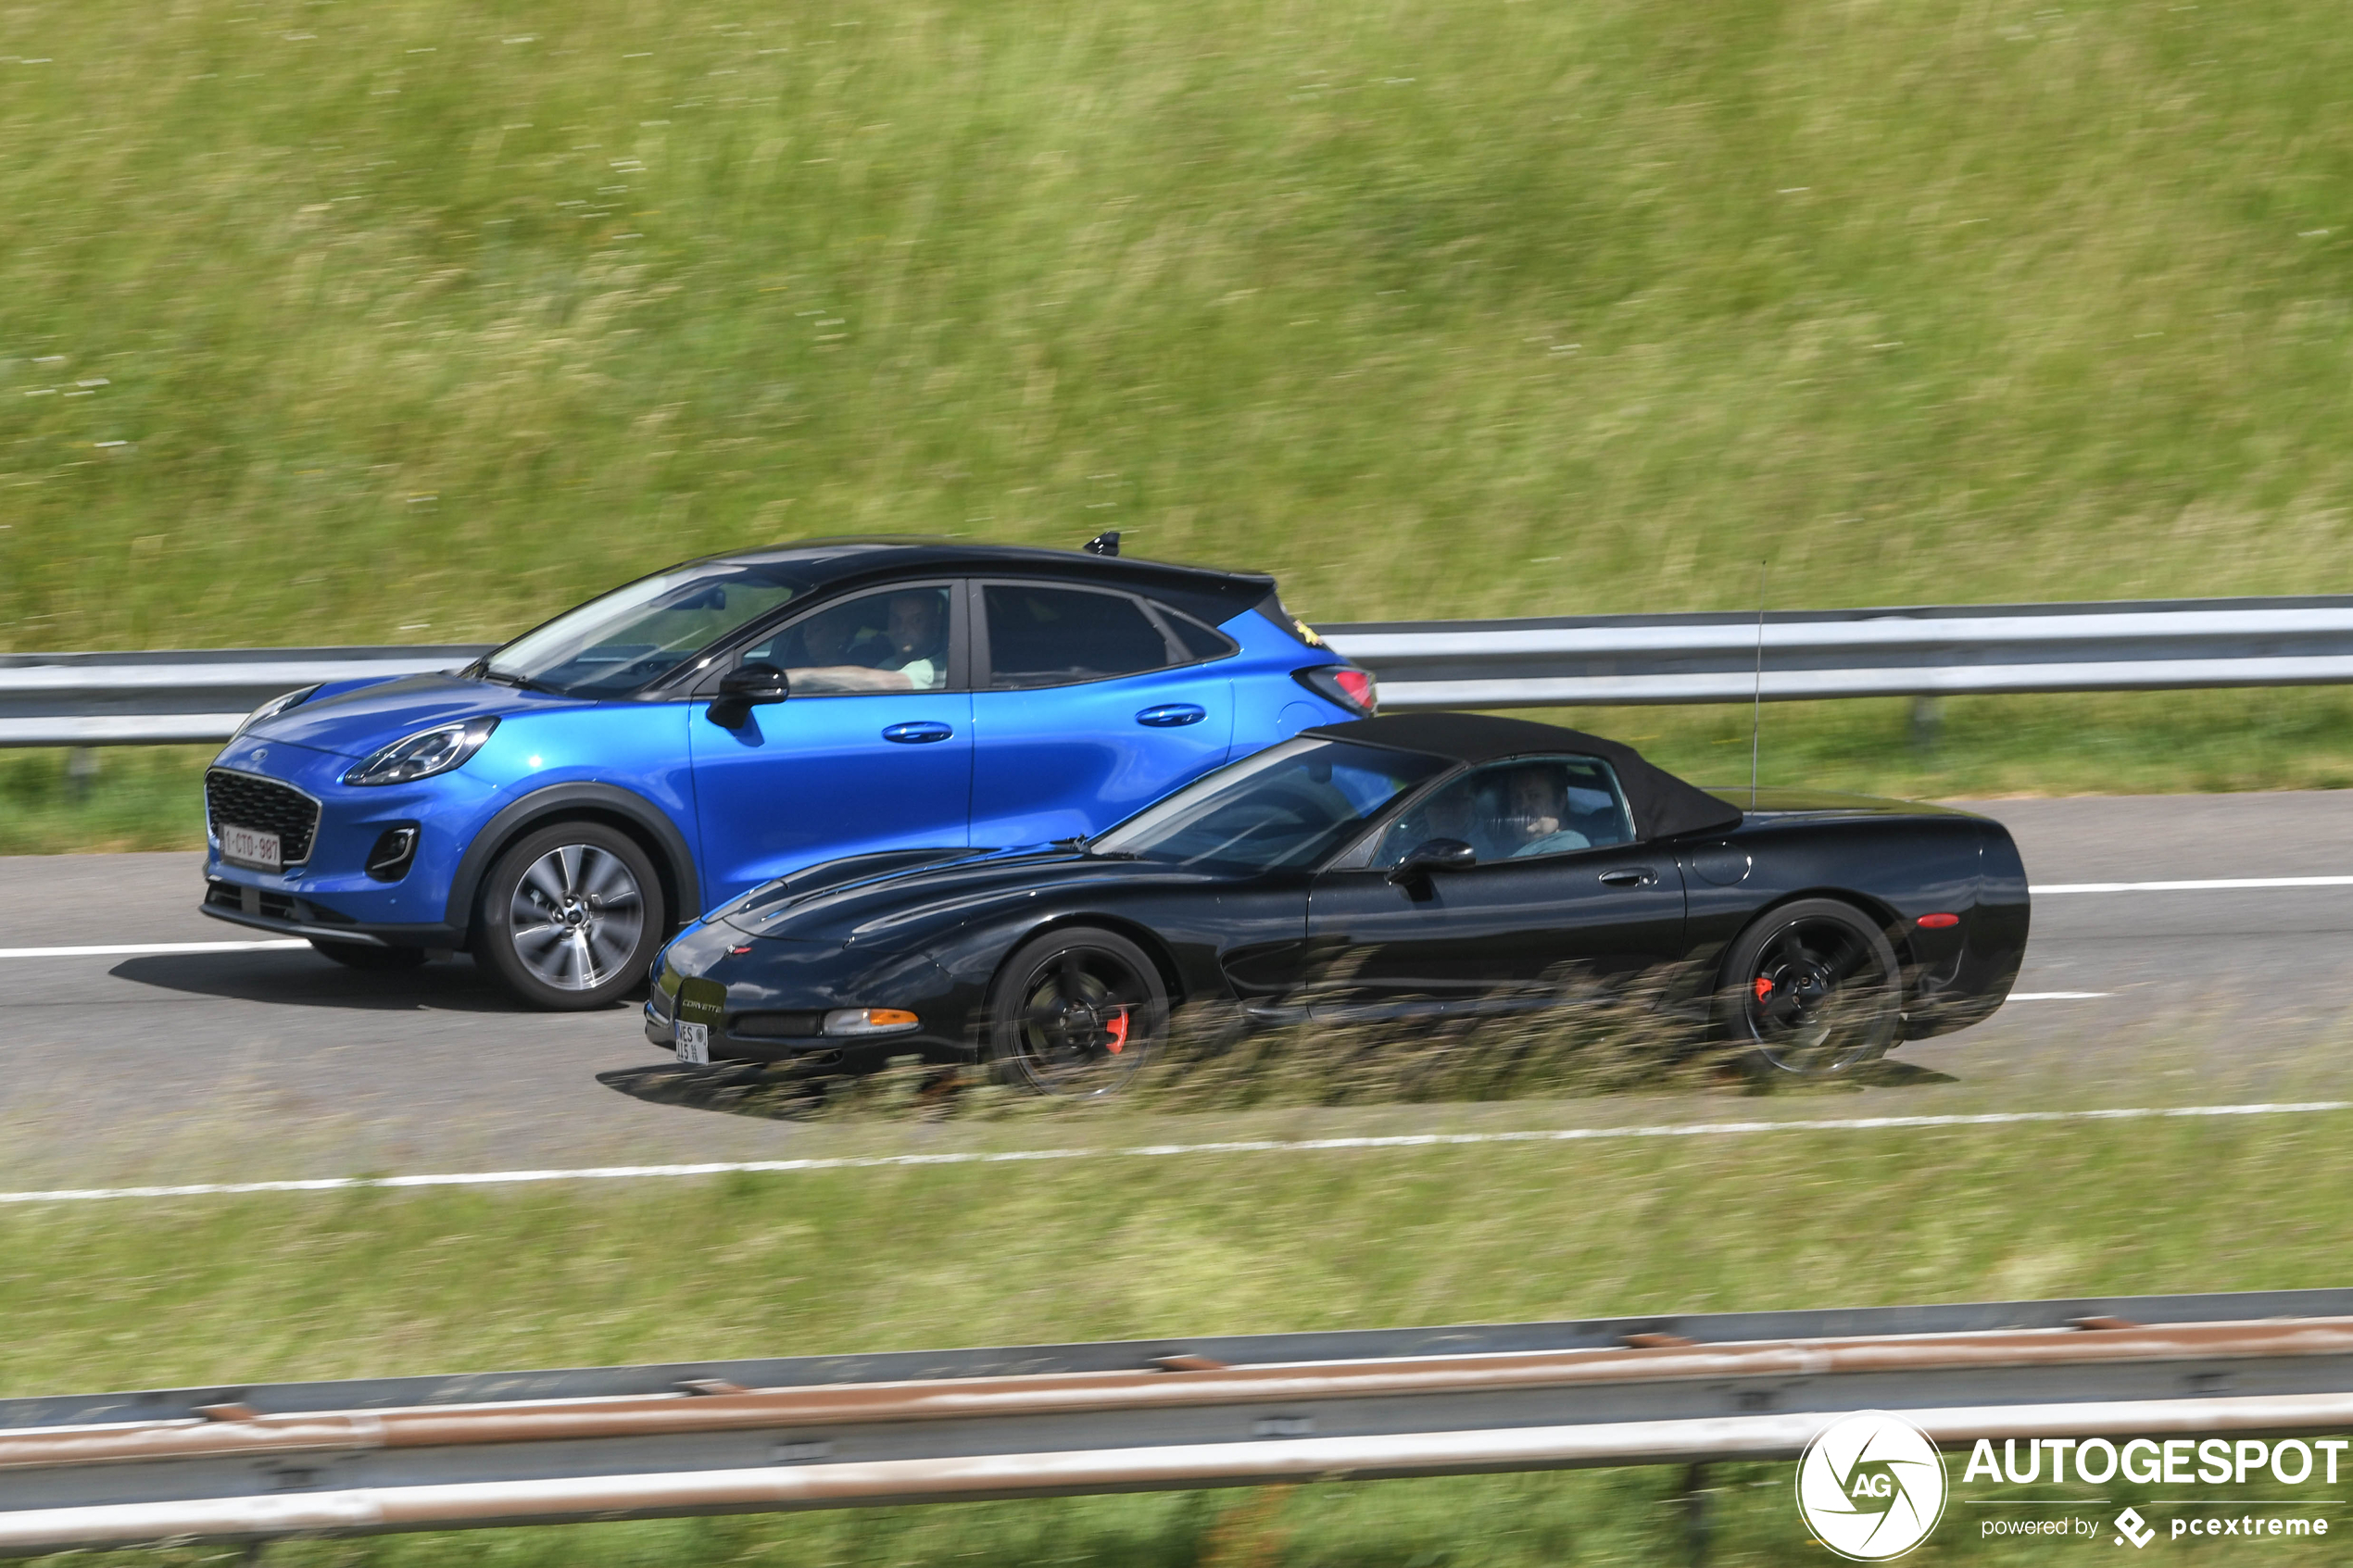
(1076,1012)
(569,916)
(1812,989)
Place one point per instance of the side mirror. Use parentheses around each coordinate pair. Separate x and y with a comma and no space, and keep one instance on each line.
(1434,855)
(744,688)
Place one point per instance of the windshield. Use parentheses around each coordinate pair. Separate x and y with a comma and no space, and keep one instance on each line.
(1288,806)
(614,645)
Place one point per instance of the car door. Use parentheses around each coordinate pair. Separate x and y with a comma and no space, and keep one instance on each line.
(872,748)
(1561,902)
(1089,704)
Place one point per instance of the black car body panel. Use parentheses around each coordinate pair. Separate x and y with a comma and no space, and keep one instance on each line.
(928,931)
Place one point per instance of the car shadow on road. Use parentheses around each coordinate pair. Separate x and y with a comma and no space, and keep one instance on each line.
(737,1089)
(745,1089)
(299,979)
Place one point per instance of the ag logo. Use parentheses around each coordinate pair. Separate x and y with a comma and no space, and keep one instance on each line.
(1872,1486)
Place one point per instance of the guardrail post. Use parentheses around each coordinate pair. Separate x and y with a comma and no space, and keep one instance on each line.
(82,770)
(1928,721)
(1696,1500)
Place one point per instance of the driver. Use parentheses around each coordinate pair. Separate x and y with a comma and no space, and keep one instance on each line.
(916,637)
(1536,805)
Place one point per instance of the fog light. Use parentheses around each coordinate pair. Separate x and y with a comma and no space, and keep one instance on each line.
(870,1021)
(396,848)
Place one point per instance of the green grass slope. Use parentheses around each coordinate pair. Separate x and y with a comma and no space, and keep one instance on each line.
(329,321)
(360,1284)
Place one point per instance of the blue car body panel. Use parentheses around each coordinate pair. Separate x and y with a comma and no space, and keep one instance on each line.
(811,779)
(781,790)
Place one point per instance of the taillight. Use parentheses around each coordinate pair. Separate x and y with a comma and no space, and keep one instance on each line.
(1352,688)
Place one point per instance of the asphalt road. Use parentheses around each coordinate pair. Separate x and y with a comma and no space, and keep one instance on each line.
(212,1065)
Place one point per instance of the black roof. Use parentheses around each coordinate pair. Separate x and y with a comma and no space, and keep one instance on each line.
(851,559)
(1663,805)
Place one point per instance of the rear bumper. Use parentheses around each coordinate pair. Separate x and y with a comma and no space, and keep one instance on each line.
(266,909)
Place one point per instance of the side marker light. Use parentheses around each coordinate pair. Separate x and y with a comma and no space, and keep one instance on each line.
(1937,922)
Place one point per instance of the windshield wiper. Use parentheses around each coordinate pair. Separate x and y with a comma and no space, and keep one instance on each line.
(521,683)
(1080,843)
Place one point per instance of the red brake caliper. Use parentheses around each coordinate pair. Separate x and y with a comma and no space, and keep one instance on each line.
(1763,987)
(1116,1027)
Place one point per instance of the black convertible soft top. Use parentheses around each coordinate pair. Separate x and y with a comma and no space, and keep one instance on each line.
(1663,805)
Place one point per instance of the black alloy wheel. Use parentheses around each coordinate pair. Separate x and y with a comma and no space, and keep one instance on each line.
(569,916)
(1076,1012)
(362,955)
(1813,990)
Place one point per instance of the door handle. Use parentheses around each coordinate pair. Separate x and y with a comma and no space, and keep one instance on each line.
(1631,876)
(1168,715)
(918,732)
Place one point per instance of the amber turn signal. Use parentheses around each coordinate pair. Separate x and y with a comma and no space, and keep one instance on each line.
(870,1021)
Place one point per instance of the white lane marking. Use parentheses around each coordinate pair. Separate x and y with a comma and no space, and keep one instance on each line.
(2213,884)
(117,948)
(2057,995)
(111,950)
(1266,1146)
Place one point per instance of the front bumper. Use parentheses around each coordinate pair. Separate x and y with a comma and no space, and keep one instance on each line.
(329,894)
(778,1019)
(265,909)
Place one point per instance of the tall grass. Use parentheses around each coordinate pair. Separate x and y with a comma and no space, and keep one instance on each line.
(324,321)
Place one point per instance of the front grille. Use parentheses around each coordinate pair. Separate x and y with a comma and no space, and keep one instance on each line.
(272,905)
(779,1025)
(247,800)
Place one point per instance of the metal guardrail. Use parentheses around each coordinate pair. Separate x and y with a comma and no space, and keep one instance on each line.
(189,696)
(134,698)
(254,1464)
(1926,651)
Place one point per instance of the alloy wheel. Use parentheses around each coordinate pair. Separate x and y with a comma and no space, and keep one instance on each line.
(576,917)
(1818,994)
(1086,1020)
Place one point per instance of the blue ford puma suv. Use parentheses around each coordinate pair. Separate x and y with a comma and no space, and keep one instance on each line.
(560,806)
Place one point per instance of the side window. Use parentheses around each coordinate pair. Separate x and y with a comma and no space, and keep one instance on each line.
(1517,810)
(1201,642)
(1040,637)
(894,641)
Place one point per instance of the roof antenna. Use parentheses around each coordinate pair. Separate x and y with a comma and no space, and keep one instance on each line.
(1757,705)
(1102,543)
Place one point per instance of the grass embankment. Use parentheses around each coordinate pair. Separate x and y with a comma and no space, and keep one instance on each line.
(298,1288)
(344,323)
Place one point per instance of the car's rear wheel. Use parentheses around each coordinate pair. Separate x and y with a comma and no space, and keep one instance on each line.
(1076,1012)
(361,955)
(569,916)
(1812,989)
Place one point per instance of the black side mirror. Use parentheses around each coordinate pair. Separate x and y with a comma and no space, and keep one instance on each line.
(1433,855)
(744,688)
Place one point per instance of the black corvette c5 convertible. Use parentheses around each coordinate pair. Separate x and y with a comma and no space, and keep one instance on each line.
(1419,864)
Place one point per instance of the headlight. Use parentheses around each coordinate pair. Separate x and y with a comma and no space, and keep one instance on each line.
(423,755)
(274,706)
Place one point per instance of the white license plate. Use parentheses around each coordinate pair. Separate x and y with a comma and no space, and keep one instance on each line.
(251,846)
(694,1044)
